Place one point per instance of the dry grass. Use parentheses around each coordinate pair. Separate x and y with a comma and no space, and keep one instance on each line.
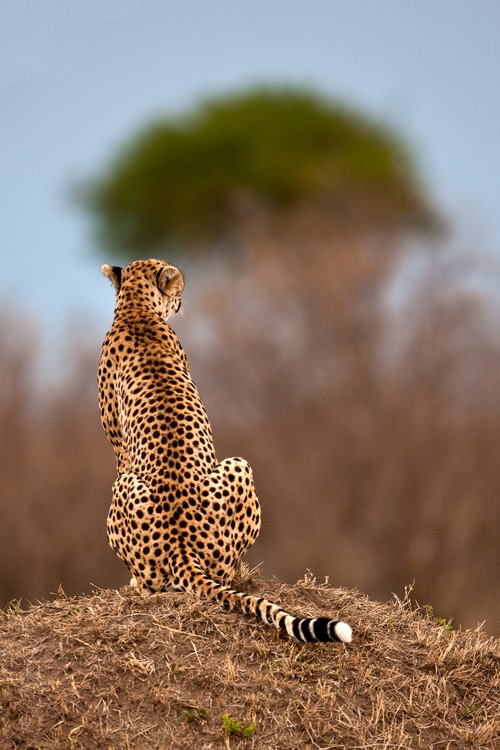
(117,671)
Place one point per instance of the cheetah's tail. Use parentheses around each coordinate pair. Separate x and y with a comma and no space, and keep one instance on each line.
(302,629)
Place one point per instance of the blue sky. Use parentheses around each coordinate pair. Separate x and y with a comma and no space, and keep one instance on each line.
(76,79)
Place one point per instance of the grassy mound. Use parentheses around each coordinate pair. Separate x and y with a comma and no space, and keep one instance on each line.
(117,671)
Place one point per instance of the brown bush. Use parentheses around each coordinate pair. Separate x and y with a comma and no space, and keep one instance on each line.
(374,435)
(55,472)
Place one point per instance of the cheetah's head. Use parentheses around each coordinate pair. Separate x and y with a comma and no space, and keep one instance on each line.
(153,283)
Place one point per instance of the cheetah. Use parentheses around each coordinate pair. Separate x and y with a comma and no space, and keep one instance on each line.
(179,518)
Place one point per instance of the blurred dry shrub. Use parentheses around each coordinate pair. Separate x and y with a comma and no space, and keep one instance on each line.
(55,471)
(371,420)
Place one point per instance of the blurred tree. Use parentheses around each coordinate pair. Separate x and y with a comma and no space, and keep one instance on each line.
(194,180)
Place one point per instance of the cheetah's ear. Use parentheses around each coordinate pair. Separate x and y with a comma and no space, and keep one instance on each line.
(167,278)
(114,274)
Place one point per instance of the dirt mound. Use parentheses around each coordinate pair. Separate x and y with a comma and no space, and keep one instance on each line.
(114,670)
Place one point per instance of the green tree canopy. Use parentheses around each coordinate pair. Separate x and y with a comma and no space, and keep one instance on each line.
(188,180)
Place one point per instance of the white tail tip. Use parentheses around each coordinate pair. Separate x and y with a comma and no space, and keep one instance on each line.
(343,632)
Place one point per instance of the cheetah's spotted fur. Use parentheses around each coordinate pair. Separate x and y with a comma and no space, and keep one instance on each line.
(178,517)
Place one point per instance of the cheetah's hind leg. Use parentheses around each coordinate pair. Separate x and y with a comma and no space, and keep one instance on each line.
(231,517)
(129,513)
